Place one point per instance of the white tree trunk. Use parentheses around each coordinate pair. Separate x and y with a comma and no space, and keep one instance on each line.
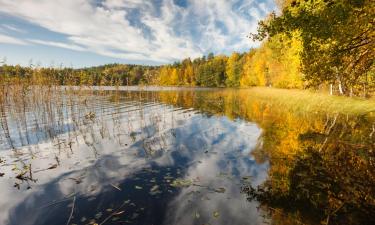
(331,89)
(340,88)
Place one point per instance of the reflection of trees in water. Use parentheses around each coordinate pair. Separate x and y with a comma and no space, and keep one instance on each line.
(156,128)
(332,174)
(321,166)
(321,163)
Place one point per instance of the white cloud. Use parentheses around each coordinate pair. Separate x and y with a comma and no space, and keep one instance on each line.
(144,30)
(13,28)
(57,44)
(5,39)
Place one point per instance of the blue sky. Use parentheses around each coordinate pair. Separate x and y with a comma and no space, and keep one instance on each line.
(82,33)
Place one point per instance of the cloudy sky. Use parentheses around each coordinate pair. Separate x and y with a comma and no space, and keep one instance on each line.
(91,32)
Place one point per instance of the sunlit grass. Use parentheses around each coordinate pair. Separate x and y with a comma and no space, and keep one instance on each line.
(310,101)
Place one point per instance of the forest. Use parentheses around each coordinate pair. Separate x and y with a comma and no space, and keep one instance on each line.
(322,44)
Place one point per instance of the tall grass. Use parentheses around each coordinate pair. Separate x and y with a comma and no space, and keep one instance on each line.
(311,102)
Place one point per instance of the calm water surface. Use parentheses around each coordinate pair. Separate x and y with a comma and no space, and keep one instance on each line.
(149,157)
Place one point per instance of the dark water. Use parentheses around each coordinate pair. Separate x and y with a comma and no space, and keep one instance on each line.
(182,157)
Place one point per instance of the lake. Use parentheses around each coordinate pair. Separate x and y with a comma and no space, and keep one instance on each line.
(180,156)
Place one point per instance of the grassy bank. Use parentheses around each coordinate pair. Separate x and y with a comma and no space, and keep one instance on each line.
(309,101)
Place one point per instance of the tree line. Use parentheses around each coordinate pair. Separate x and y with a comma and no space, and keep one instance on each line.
(320,44)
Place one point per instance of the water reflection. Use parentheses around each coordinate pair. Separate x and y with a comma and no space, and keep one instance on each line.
(129,159)
(322,166)
(181,157)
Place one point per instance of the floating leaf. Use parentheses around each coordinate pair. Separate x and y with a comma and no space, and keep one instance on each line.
(181,183)
(197,215)
(118,213)
(116,187)
(90,115)
(220,190)
(216,214)
(155,190)
(138,187)
(77,180)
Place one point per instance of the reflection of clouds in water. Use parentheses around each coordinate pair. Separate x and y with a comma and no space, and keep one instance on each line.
(95,180)
(113,150)
(196,204)
(93,161)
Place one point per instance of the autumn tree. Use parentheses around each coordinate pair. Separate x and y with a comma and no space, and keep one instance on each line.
(338,39)
(233,70)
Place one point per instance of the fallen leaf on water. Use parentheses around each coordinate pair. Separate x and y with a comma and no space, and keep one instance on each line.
(116,187)
(197,216)
(77,180)
(118,213)
(21,176)
(138,187)
(90,115)
(220,190)
(181,183)
(54,166)
(216,214)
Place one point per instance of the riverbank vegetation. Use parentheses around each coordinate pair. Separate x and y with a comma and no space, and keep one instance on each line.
(323,45)
(311,102)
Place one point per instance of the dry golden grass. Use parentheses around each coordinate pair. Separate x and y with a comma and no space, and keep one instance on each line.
(310,101)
